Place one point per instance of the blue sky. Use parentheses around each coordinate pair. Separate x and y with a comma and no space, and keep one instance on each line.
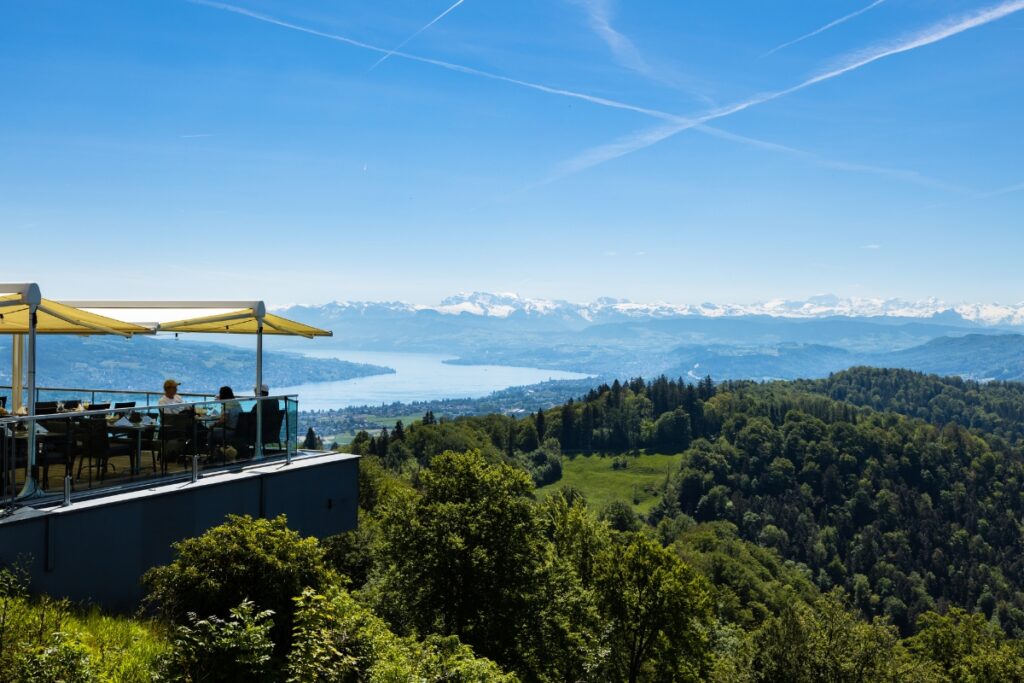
(654,150)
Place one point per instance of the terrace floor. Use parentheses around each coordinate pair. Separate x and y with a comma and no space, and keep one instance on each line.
(89,474)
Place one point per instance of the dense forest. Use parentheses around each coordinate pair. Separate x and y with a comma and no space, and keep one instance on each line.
(799,538)
(902,489)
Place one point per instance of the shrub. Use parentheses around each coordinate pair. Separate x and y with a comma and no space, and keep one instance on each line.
(225,650)
(61,660)
(243,559)
(337,639)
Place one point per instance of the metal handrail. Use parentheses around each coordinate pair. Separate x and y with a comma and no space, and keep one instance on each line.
(117,392)
(9,428)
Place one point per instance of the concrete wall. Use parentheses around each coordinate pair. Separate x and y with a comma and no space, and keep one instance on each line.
(96,550)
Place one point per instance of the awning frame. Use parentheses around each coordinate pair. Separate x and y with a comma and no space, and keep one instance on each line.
(27,294)
(242,310)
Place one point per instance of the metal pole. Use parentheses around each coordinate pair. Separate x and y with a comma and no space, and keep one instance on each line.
(17,371)
(31,488)
(195,467)
(67,490)
(258,446)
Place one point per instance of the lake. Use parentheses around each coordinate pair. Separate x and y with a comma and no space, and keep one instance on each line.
(418,377)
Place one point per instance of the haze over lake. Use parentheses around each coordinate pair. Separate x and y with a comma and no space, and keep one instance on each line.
(417,377)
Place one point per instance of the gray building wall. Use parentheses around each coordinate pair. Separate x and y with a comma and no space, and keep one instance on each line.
(96,550)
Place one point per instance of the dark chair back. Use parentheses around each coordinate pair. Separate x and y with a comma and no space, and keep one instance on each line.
(128,404)
(99,406)
(244,438)
(273,420)
(46,407)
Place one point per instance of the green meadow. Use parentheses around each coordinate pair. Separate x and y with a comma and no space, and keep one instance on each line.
(640,483)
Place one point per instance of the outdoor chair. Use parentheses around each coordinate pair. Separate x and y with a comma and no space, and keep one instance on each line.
(119,406)
(273,421)
(46,407)
(177,435)
(98,447)
(60,446)
(242,438)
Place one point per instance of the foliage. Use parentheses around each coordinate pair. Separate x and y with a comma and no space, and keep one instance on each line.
(47,640)
(994,408)
(259,560)
(657,609)
(62,659)
(337,639)
(461,556)
(238,649)
(966,647)
(748,583)
(827,642)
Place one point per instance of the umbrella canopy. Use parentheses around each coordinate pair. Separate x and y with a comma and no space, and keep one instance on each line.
(215,317)
(53,317)
(23,311)
(244,321)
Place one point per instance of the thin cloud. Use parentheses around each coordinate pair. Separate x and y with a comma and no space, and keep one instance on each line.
(900,173)
(933,34)
(832,24)
(599,17)
(1003,190)
(402,44)
(872,247)
(601,101)
(674,123)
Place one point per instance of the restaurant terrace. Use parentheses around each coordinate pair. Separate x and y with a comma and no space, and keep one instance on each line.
(76,460)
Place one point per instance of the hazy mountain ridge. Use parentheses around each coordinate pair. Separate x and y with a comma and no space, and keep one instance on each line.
(142,364)
(505,305)
(609,337)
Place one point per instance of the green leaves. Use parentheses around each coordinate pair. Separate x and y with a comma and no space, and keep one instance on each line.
(657,610)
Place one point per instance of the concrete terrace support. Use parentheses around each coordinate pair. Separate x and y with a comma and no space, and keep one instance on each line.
(96,550)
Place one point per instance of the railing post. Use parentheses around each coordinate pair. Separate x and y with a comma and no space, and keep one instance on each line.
(195,467)
(67,490)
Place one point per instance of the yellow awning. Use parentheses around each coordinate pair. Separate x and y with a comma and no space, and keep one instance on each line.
(244,321)
(53,317)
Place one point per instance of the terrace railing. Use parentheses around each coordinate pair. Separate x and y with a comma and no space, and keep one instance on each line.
(70,396)
(81,452)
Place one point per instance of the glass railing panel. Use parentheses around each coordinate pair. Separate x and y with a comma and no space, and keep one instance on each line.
(292,423)
(122,446)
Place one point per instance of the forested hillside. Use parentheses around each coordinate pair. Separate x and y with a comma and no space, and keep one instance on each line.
(995,408)
(906,515)
(798,539)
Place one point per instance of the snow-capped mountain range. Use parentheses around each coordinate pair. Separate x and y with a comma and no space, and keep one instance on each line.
(504,305)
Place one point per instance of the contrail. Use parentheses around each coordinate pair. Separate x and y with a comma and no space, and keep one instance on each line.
(674,123)
(602,101)
(433,21)
(840,20)
(933,34)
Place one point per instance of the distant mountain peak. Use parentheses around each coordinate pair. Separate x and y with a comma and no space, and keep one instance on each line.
(507,304)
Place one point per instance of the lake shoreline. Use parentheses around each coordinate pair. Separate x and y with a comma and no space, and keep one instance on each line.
(417,377)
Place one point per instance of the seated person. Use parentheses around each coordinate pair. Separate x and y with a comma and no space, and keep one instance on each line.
(222,431)
(273,416)
(170,402)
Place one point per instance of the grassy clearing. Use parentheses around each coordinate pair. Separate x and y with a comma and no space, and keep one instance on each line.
(640,484)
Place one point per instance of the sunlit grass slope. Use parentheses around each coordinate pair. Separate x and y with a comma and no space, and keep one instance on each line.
(639,484)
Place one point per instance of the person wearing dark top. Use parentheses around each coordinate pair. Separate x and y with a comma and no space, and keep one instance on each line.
(273,416)
(223,430)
